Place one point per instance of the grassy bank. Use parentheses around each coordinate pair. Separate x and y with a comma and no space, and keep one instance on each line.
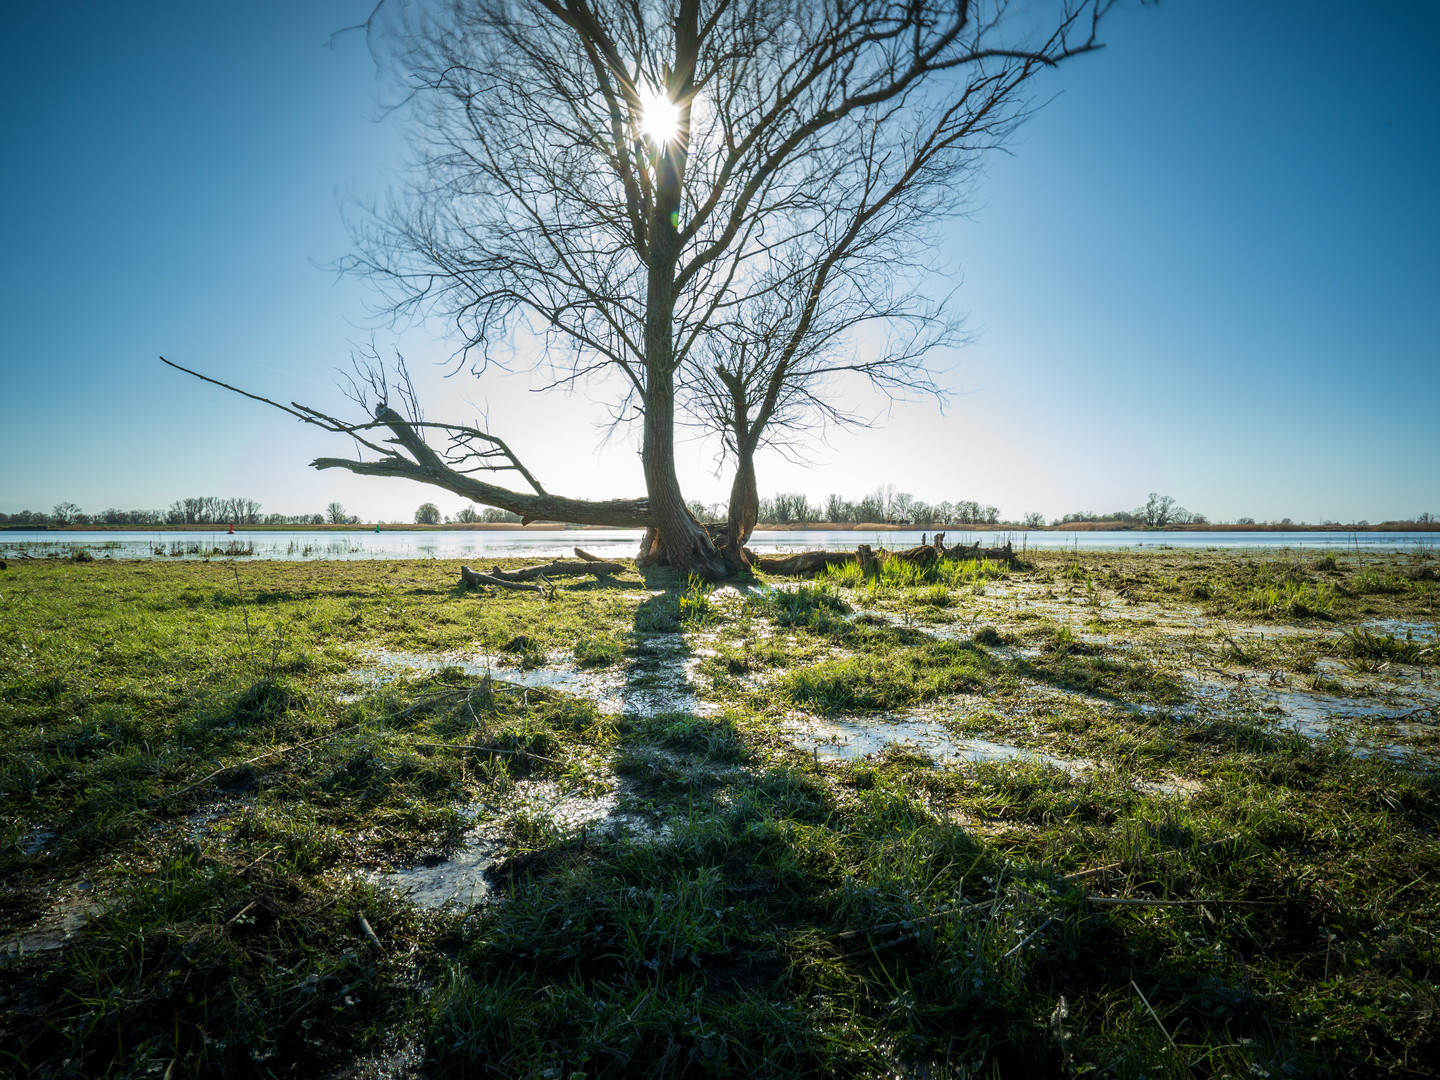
(1159,814)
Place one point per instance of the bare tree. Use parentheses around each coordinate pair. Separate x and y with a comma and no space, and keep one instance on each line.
(633,187)
(766,374)
(335,514)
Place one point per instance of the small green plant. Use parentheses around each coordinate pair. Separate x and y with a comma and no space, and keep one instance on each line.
(695,600)
(1365,647)
(1063,641)
(811,604)
(1374,581)
(937,595)
(848,575)
(1291,599)
(598,650)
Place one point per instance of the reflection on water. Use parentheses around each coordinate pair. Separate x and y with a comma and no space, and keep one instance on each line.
(612,543)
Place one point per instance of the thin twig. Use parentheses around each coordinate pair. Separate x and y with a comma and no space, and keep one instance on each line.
(242,911)
(1026,940)
(906,924)
(426,699)
(259,757)
(367,930)
(1093,870)
(262,858)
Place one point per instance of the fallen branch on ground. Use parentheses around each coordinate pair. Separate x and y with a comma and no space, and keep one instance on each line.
(562,568)
(1027,939)
(367,930)
(1209,845)
(906,924)
(471,579)
(1140,901)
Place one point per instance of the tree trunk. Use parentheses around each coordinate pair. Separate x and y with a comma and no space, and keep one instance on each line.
(744,510)
(686,545)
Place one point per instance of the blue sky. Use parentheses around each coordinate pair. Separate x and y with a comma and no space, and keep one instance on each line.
(1210,266)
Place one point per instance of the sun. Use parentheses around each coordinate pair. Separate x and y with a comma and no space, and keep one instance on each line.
(659,116)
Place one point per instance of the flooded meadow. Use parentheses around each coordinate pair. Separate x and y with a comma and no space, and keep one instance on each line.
(1132,812)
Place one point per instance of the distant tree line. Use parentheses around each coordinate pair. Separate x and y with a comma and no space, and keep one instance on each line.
(886,506)
(470,516)
(1158,512)
(883,506)
(204,510)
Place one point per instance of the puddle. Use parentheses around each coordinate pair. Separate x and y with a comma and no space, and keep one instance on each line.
(460,879)
(1176,786)
(657,680)
(1315,714)
(65,918)
(463,877)
(851,740)
(1418,631)
(1318,715)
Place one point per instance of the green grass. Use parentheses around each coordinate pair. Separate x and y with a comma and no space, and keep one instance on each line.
(711,927)
(883,682)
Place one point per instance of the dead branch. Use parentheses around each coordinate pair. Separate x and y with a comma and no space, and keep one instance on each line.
(1140,901)
(367,930)
(422,463)
(472,579)
(518,751)
(559,569)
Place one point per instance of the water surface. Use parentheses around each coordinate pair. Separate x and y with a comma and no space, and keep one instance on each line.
(611,543)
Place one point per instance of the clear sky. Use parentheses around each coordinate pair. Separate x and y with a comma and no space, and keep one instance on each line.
(1209,267)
